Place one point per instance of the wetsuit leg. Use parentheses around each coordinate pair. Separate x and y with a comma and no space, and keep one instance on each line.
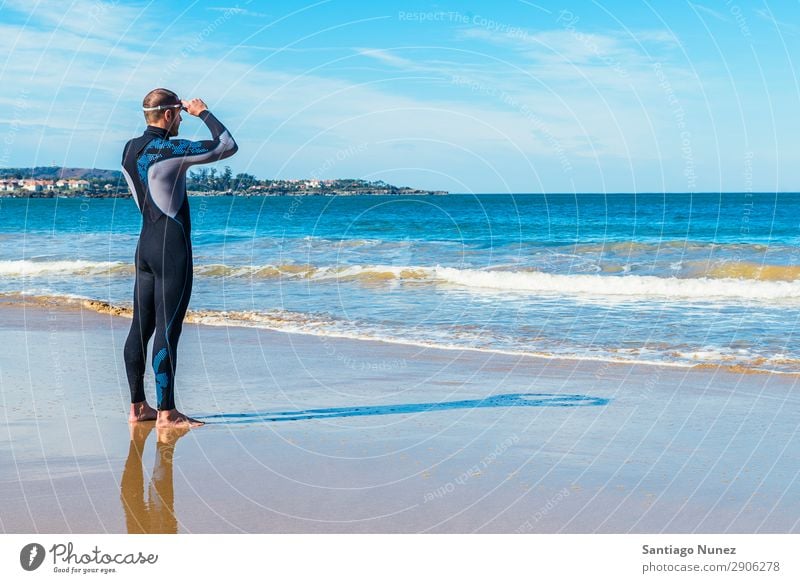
(142,327)
(172,264)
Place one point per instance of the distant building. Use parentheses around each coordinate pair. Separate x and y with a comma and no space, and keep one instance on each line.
(32,185)
(76,184)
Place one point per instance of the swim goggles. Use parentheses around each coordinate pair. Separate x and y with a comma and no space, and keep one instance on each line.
(160,107)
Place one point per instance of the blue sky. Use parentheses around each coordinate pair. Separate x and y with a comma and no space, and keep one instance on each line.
(509,96)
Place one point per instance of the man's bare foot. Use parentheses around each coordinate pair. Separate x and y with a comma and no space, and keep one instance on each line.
(141,411)
(174,418)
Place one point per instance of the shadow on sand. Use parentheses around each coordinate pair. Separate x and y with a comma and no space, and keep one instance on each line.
(510,400)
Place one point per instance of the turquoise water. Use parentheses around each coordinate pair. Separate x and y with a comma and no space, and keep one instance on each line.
(676,278)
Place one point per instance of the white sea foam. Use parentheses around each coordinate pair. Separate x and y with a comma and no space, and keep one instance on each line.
(26,267)
(530,281)
(316,325)
(627,285)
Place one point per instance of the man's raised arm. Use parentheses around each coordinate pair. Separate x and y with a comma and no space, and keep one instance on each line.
(220,146)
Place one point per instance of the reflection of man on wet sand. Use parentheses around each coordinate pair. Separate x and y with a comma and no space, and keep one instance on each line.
(157,515)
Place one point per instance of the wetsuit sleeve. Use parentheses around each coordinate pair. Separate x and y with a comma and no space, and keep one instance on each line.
(220,146)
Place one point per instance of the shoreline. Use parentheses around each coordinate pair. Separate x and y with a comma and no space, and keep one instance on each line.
(217,193)
(225,319)
(384,438)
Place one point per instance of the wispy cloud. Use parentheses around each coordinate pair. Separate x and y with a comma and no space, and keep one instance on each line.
(278,49)
(709,12)
(239,11)
(663,37)
(390,58)
(599,62)
(86,18)
(787,27)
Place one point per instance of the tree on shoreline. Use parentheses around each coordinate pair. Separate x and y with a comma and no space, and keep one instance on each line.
(107,183)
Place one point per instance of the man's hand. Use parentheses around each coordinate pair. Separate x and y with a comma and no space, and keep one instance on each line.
(194,106)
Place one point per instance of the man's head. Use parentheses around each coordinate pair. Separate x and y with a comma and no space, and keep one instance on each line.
(162,108)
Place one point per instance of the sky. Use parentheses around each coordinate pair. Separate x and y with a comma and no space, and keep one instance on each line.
(473,97)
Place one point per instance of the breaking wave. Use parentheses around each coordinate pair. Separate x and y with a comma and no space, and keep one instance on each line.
(735,281)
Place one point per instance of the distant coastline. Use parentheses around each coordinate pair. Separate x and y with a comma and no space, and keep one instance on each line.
(62,182)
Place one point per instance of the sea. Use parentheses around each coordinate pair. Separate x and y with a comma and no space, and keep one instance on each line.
(664,279)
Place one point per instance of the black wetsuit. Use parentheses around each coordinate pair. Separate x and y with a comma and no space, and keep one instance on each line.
(155,168)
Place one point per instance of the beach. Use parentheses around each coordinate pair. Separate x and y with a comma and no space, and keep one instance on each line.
(312,433)
(527,270)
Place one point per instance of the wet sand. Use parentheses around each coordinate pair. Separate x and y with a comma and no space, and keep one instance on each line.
(314,434)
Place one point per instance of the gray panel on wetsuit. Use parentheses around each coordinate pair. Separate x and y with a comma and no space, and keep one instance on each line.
(166,178)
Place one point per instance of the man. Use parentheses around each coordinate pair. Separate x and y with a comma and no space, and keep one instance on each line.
(155,168)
